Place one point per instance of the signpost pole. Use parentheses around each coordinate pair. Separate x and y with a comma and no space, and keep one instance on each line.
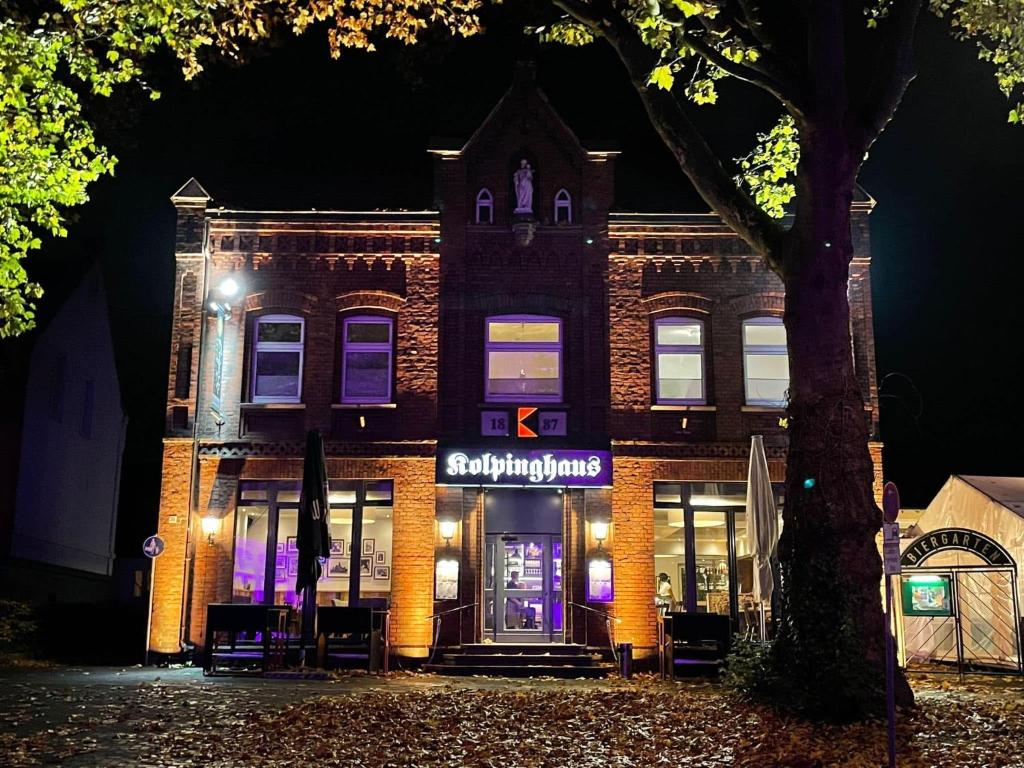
(891,561)
(152,548)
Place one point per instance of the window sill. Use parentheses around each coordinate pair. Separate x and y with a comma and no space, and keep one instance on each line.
(539,404)
(273,406)
(763,409)
(691,408)
(361,406)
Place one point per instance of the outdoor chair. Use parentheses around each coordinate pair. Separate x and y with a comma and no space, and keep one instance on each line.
(245,637)
(696,644)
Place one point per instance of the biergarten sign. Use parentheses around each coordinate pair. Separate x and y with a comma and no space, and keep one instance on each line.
(963,539)
(540,468)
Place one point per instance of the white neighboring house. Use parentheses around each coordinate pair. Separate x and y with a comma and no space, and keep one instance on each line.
(72,442)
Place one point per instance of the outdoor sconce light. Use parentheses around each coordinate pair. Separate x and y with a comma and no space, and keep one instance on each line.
(599,529)
(447,530)
(210,525)
(227,289)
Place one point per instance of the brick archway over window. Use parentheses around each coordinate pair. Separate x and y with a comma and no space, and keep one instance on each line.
(386,300)
(767,303)
(280,300)
(675,301)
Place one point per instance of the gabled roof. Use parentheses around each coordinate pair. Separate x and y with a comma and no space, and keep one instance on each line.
(191,192)
(1008,491)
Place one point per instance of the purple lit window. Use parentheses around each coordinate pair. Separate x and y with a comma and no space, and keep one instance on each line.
(366,359)
(484,207)
(277,359)
(679,360)
(523,358)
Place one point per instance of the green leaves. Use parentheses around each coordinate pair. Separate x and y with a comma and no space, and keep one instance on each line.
(766,171)
(662,77)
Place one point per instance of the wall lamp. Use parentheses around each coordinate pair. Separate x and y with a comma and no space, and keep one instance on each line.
(447,530)
(210,526)
(225,291)
(599,530)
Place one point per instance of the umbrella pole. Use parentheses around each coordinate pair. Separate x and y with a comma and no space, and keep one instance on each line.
(308,617)
(764,628)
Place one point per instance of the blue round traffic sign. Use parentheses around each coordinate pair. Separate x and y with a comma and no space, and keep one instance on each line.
(153,546)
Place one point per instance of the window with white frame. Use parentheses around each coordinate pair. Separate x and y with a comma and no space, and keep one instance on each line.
(765,361)
(277,359)
(679,360)
(366,358)
(484,207)
(523,358)
(563,207)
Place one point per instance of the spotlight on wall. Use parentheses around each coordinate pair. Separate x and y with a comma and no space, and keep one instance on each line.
(210,525)
(599,529)
(447,530)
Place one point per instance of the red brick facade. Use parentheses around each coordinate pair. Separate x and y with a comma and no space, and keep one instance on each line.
(439,274)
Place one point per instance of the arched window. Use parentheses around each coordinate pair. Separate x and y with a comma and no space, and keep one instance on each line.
(765,361)
(484,207)
(523,358)
(366,353)
(679,361)
(563,207)
(277,359)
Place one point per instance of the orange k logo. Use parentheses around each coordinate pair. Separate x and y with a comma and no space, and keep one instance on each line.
(521,415)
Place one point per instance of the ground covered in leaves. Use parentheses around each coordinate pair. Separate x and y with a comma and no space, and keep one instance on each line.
(179,719)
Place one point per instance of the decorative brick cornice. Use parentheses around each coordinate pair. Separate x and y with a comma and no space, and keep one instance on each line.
(369,300)
(676,300)
(280,299)
(294,449)
(662,451)
(770,302)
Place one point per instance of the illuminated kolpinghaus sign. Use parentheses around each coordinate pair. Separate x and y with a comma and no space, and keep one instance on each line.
(573,468)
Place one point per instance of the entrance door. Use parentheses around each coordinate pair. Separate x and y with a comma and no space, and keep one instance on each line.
(523,590)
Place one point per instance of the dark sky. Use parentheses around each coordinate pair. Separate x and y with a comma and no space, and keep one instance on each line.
(294,129)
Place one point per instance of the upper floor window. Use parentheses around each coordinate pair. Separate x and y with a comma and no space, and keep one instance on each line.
(765,361)
(366,359)
(277,359)
(563,207)
(679,360)
(524,358)
(484,207)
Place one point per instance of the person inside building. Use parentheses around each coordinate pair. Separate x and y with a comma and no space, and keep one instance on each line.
(664,597)
(517,614)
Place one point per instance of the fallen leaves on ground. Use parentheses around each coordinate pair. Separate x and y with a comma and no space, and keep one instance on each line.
(508,724)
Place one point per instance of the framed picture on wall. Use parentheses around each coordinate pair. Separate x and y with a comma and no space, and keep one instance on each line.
(368,546)
(337,546)
(280,547)
(281,561)
(280,574)
(293,566)
(364,566)
(293,545)
(337,567)
(380,558)
(382,572)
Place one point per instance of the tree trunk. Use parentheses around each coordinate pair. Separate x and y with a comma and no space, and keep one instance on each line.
(829,657)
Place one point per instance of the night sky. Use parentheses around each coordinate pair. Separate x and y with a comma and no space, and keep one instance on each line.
(294,129)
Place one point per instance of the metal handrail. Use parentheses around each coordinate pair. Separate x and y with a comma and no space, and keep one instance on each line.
(451,610)
(437,626)
(608,619)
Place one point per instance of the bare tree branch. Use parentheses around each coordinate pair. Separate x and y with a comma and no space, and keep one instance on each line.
(696,158)
(894,71)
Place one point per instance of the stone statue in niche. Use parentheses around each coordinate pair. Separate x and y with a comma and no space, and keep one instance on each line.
(523,181)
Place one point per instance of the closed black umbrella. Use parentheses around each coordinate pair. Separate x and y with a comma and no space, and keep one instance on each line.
(313,536)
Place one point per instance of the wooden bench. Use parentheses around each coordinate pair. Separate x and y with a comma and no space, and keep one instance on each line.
(695,644)
(350,636)
(264,643)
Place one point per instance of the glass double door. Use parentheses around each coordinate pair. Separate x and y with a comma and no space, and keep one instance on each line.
(523,591)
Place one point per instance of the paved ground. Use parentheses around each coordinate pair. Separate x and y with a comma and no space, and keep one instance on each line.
(175,717)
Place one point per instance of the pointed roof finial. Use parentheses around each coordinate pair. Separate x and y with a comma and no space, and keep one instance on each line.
(191,192)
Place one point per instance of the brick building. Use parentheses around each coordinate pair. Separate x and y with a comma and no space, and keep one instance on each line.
(532,405)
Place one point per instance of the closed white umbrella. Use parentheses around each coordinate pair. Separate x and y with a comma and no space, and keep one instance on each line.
(762,524)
